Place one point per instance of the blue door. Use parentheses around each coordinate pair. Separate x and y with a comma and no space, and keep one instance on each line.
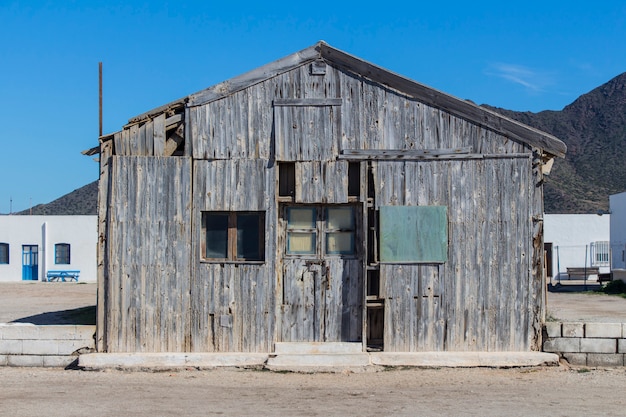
(30,262)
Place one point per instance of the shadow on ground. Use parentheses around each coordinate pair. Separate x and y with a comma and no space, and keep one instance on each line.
(79,316)
(578,287)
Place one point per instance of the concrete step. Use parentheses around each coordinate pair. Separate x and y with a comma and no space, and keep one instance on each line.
(319,360)
(314,348)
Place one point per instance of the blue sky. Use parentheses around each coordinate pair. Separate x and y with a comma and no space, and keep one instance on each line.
(526,56)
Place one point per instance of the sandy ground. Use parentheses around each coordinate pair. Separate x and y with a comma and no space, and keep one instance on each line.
(555,391)
(547,391)
(43,302)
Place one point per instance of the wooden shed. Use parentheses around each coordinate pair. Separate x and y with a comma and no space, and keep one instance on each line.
(321,198)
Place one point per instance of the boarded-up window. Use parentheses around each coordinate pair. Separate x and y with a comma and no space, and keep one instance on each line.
(413,234)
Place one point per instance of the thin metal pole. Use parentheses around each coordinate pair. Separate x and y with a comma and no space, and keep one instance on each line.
(100,94)
(558,265)
(586,248)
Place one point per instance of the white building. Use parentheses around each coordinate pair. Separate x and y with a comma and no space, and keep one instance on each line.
(31,246)
(577,241)
(617,202)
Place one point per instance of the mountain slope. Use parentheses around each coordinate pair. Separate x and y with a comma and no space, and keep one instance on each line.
(594,129)
(83,201)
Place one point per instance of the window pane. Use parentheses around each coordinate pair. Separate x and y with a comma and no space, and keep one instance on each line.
(300,243)
(62,253)
(340,218)
(340,243)
(216,226)
(4,253)
(248,239)
(300,218)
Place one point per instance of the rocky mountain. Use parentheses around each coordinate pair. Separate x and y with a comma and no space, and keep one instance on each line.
(83,201)
(594,129)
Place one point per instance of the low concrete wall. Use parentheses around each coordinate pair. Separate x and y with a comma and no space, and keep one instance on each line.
(588,344)
(619,274)
(23,344)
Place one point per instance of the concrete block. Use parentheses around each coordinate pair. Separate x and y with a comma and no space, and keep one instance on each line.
(66,332)
(319,360)
(603,330)
(3,360)
(588,345)
(25,360)
(85,332)
(53,347)
(579,359)
(58,361)
(212,360)
(605,359)
(11,347)
(312,348)
(562,344)
(169,360)
(40,347)
(573,330)
(553,329)
(463,359)
(12,331)
(67,347)
(621,346)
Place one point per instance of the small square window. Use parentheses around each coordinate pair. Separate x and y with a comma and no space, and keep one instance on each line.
(4,253)
(62,254)
(234,236)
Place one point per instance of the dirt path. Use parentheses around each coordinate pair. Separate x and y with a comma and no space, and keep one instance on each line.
(460,392)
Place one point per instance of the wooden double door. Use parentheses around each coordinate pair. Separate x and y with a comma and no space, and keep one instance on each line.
(322,274)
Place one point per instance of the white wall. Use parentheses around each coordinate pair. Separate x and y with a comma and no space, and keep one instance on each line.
(573,234)
(79,231)
(617,202)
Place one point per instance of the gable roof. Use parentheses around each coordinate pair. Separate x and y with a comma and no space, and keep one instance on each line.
(427,95)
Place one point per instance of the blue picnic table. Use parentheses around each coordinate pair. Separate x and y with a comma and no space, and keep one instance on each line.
(62,275)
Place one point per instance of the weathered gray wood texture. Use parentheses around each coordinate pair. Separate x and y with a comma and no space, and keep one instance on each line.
(481,298)
(104,202)
(232,305)
(146,290)
(322,302)
(159,295)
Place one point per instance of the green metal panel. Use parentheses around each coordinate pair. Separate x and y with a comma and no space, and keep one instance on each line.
(413,234)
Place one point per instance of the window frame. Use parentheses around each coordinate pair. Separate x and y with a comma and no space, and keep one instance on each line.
(601,253)
(232,255)
(5,249)
(59,258)
(321,231)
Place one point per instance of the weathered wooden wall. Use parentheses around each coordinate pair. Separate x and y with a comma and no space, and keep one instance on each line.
(232,305)
(486,297)
(480,298)
(146,293)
